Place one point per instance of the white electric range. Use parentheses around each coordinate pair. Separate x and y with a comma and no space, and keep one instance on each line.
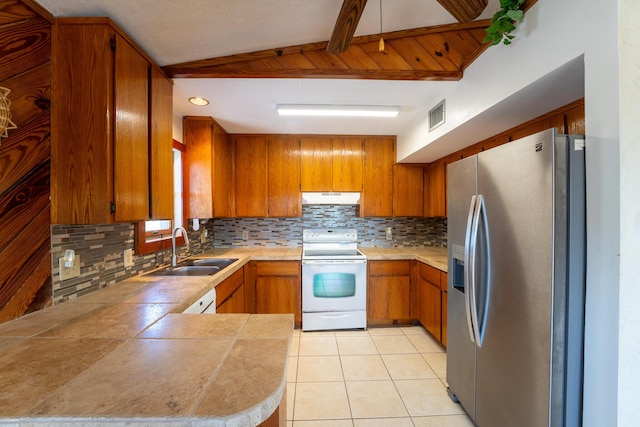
(334,280)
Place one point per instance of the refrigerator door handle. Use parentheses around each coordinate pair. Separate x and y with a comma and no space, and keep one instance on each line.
(468,250)
(480,214)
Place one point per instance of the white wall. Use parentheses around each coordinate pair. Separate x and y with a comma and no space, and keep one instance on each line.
(549,37)
(177,127)
(629,336)
(553,34)
(603,214)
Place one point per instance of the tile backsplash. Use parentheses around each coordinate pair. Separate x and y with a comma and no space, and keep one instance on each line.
(274,232)
(101,247)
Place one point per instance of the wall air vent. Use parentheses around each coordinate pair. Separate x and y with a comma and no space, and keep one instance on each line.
(436,116)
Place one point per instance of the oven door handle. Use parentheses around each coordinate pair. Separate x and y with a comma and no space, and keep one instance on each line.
(334,261)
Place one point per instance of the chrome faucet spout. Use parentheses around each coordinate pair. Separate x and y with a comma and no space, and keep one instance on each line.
(174,257)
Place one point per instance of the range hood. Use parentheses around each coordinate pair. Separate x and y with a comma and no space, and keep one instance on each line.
(313,198)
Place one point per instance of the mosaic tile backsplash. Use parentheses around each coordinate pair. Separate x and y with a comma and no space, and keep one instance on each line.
(273,232)
(100,247)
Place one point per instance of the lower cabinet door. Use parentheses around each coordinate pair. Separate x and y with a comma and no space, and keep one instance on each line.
(278,288)
(432,304)
(234,303)
(389,297)
(279,295)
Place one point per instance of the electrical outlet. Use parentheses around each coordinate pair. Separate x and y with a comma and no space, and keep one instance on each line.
(128,258)
(203,236)
(245,234)
(389,233)
(69,272)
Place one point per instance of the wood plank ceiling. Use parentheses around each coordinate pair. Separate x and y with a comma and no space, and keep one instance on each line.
(430,53)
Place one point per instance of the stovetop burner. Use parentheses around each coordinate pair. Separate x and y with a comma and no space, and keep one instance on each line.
(330,243)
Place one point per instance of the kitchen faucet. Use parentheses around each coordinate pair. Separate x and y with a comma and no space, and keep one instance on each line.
(174,257)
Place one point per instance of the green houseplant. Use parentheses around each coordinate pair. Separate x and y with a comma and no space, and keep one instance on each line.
(503,22)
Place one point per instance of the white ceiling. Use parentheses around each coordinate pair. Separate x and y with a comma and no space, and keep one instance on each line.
(173,31)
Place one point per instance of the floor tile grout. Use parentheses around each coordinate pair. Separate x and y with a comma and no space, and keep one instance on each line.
(305,339)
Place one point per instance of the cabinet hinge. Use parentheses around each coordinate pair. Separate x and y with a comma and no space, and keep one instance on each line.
(112,208)
(112,43)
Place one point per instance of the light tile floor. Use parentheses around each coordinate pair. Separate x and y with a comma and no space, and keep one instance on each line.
(386,376)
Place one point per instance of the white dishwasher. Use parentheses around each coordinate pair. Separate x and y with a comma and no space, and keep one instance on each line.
(205,304)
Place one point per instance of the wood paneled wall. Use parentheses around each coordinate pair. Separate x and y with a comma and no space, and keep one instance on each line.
(25,69)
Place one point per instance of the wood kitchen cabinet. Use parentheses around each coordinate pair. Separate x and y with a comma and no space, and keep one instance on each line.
(435,193)
(377,182)
(285,198)
(251,175)
(430,300)
(207,173)
(316,164)
(388,291)
(278,288)
(100,124)
(230,294)
(347,164)
(161,146)
(408,190)
(331,164)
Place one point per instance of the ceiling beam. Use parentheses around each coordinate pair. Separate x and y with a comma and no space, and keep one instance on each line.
(464,10)
(430,53)
(363,74)
(346,25)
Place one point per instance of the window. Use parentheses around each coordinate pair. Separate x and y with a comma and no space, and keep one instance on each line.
(155,235)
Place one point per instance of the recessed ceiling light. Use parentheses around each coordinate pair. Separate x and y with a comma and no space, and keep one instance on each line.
(337,110)
(196,100)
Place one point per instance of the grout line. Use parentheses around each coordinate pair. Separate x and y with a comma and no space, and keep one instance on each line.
(340,355)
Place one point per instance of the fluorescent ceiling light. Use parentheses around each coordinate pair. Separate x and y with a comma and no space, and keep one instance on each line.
(337,110)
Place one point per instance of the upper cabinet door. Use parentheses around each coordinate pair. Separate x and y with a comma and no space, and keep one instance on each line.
(285,199)
(207,168)
(377,183)
(223,195)
(316,162)
(81,125)
(331,164)
(100,124)
(131,142)
(198,166)
(436,190)
(347,164)
(161,146)
(251,176)
(408,190)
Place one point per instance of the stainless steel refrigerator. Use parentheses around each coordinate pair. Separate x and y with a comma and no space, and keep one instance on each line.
(516,230)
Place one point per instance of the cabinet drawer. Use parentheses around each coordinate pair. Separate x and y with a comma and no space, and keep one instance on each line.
(226,288)
(277,268)
(390,268)
(428,273)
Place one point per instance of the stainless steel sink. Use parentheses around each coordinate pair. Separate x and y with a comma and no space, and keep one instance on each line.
(196,267)
(213,262)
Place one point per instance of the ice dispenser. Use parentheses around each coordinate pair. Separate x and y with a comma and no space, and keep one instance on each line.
(457,273)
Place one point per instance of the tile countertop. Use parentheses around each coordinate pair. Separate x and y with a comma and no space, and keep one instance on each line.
(125,355)
(434,256)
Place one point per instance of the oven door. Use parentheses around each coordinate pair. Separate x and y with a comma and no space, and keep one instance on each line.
(334,285)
